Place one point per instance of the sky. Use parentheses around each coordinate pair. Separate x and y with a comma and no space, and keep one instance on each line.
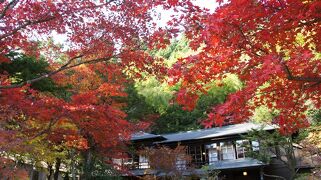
(210,4)
(165,15)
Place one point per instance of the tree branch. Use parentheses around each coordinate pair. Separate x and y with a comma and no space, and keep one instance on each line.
(52,122)
(290,76)
(25,24)
(62,68)
(99,5)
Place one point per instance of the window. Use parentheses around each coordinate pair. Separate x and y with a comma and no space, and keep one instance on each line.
(143,162)
(227,150)
(212,153)
(197,153)
(181,162)
(241,146)
(255,145)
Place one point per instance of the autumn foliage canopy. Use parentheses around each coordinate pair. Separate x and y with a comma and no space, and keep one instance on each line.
(273,46)
(104,44)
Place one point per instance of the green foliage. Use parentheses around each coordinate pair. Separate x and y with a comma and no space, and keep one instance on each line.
(157,95)
(268,142)
(272,144)
(262,114)
(151,95)
(315,116)
(175,119)
(101,170)
(217,94)
(23,68)
(94,166)
(38,151)
(315,123)
(177,49)
(210,173)
(137,107)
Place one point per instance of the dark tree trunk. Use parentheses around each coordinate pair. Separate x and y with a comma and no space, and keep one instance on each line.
(35,175)
(89,160)
(291,158)
(57,167)
(50,170)
(88,164)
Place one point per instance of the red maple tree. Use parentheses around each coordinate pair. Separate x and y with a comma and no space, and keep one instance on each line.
(273,46)
(105,40)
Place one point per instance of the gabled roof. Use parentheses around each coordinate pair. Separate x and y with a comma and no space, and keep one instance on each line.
(214,132)
(203,133)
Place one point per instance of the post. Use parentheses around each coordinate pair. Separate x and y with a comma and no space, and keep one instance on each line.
(261,173)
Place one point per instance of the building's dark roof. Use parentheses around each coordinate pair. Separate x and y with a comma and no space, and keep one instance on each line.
(143,136)
(214,132)
(203,133)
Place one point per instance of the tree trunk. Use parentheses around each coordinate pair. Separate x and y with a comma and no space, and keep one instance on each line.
(57,167)
(72,168)
(50,170)
(88,165)
(291,158)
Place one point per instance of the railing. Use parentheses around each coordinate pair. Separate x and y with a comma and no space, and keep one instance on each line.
(180,165)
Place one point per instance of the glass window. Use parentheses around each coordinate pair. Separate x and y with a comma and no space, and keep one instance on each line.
(241,146)
(255,145)
(212,153)
(143,162)
(227,150)
(196,152)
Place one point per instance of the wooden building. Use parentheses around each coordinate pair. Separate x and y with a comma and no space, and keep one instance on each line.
(220,148)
